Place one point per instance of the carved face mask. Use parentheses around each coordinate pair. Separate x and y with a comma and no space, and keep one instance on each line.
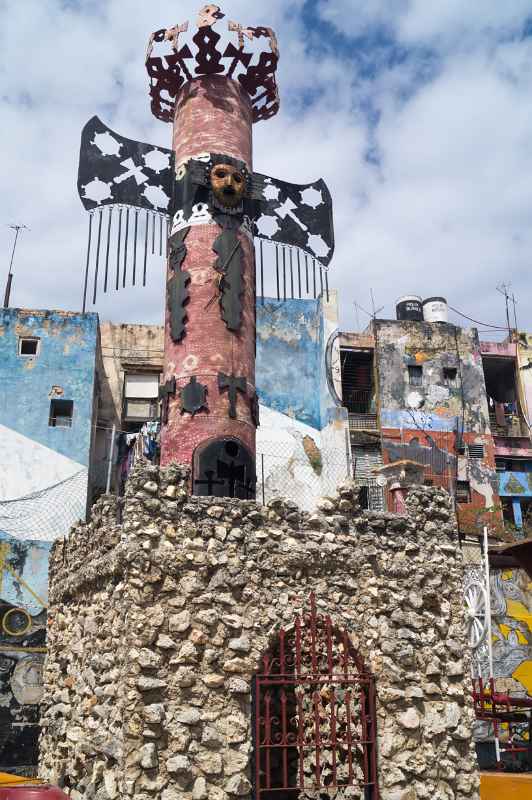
(228,185)
(208,15)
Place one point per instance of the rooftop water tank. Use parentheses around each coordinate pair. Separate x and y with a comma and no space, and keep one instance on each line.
(409,307)
(435,309)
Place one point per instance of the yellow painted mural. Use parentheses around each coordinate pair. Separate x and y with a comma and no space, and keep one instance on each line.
(511,600)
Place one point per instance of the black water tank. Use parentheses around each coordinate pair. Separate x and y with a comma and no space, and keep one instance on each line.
(409,307)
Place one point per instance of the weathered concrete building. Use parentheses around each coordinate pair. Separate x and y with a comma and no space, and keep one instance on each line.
(48,404)
(415,390)
(508,392)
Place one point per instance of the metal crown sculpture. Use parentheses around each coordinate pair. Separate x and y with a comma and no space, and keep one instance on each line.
(169,72)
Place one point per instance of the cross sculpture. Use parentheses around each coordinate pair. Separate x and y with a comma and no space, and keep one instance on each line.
(202,204)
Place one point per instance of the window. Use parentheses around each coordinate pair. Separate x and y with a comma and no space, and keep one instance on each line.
(28,346)
(449,376)
(61,413)
(475,450)
(415,375)
(463,492)
(141,395)
(137,409)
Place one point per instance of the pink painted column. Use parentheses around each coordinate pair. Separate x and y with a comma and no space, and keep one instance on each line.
(213,115)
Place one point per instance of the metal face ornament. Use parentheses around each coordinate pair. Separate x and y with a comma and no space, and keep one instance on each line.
(228,185)
(209,15)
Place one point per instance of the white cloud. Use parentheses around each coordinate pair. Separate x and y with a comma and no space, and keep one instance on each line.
(446,210)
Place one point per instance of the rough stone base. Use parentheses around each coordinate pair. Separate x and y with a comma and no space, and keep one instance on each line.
(157,626)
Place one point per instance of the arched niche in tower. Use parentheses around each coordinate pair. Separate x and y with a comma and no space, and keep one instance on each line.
(224,468)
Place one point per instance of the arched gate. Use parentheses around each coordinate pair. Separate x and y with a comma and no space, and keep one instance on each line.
(314,716)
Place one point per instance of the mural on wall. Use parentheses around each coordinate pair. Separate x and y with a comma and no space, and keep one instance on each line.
(23,610)
(301,449)
(433,410)
(511,598)
(47,374)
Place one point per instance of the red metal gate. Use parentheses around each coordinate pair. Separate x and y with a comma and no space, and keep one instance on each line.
(315,715)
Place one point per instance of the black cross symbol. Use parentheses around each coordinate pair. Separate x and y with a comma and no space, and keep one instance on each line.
(210,482)
(164,394)
(232,474)
(234,385)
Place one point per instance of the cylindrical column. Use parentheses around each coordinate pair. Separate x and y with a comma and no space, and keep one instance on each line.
(213,115)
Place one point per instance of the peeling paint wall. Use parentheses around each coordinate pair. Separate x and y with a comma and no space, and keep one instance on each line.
(524,370)
(44,482)
(429,422)
(301,441)
(23,601)
(125,348)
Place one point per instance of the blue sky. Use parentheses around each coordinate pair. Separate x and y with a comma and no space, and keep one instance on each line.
(417,114)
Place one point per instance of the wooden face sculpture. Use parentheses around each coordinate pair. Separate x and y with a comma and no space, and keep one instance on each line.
(228,184)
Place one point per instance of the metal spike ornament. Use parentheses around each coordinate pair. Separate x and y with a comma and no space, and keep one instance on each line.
(212,205)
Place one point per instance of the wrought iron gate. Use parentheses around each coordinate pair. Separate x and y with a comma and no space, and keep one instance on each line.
(314,716)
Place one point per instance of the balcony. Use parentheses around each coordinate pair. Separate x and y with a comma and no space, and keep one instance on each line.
(512,428)
(363,422)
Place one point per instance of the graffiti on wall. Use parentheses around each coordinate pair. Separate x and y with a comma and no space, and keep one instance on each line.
(511,598)
(23,609)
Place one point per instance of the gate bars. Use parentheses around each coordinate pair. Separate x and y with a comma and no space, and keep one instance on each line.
(314,713)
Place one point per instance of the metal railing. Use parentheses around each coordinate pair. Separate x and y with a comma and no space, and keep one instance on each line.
(361,422)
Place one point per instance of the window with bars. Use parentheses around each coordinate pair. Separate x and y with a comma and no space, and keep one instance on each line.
(450,376)
(463,492)
(415,375)
(475,450)
(61,413)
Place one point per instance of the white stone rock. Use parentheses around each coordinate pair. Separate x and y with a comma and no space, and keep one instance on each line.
(178,765)
(188,716)
(199,790)
(148,756)
(238,784)
(179,623)
(409,719)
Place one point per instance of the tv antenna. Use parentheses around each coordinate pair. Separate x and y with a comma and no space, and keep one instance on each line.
(504,289)
(17,229)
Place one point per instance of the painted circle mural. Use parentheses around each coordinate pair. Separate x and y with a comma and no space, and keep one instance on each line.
(16,622)
(27,680)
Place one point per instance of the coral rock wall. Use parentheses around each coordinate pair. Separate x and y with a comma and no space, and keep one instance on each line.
(158,625)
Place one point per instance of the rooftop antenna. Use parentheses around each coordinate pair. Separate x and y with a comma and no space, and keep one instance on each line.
(375,312)
(503,289)
(356,313)
(17,229)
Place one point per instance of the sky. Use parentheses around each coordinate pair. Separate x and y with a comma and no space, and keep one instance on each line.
(416,113)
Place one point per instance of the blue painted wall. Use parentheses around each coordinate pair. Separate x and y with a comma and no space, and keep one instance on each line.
(290,359)
(67,358)
(24,563)
(515,484)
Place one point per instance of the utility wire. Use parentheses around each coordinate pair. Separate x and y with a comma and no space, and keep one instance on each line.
(476,321)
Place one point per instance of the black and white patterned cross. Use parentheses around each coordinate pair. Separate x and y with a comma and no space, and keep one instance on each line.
(232,474)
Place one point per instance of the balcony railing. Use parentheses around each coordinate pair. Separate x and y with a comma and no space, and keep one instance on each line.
(363,422)
(511,428)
